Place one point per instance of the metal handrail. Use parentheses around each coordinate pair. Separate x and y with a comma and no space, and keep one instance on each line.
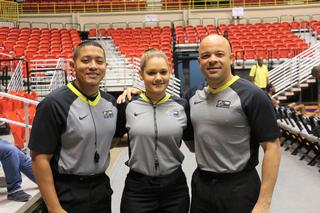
(295,71)
(143,5)
(18,98)
(16,82)
(26,113)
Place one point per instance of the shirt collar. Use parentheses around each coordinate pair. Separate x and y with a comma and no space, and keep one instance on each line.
(147,99)
(83,97)
(225,86)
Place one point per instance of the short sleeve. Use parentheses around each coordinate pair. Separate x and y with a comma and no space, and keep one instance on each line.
(252,71)
(262,117)
(47,127)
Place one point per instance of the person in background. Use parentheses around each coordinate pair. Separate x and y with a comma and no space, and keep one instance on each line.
(270,90)
(259,74)
(13,162)
(155,122)
(315,72)
(71,138)
(300,107)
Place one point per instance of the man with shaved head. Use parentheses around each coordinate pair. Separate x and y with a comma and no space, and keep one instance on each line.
(231,118)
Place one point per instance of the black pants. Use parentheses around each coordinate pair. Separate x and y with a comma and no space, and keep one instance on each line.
(236,193)
(78,194)
(164,194)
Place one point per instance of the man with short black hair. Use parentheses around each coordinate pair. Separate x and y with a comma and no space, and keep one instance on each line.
(71,138)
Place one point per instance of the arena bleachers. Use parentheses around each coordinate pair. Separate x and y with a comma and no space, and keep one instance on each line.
(250,41)
(35,43)
(132,42)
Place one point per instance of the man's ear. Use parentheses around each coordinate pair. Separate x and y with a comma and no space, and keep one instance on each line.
(140,75)
(71,63)
(231,58)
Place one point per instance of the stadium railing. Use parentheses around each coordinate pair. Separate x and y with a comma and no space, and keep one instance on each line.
(71,6)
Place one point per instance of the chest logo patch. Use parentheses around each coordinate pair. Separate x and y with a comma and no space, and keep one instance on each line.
(137,113)
(223,104)
(82,117)
(108,114)
(174,114)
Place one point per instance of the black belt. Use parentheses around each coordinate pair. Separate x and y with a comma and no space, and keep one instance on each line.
(209,174)
(79,177)
(175,173)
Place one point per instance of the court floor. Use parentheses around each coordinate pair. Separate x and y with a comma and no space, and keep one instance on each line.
(297,189)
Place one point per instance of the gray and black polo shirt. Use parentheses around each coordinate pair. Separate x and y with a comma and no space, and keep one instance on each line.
(229,123)
(72,128)
(155,131)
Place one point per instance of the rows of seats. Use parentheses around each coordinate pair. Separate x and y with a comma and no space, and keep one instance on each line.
(249,41)
(265,40)
(35,43)
(300,133)
(14,110)
(315,27)
(132,42)
(190,34)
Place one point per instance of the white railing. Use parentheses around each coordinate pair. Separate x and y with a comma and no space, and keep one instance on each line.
(44,76)
(16,81)
(295,71)
(26,113)
(58,79)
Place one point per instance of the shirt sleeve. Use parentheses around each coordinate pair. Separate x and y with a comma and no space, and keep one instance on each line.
(261,117)
(121,120)
(188,131)
(47,127)
(253,71)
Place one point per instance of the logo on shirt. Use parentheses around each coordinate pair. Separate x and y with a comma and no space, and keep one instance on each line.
(108,114)
(137,113)
(174,114)
(223,104)
(82,117)
(198,102)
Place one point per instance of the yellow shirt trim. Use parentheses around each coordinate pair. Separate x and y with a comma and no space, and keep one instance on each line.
(225,86)
(146,99)
(82,97)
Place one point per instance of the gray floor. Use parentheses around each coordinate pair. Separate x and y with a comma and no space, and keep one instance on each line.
(297,189)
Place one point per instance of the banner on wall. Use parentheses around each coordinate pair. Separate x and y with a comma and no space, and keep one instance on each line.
(150,18)
(237,12)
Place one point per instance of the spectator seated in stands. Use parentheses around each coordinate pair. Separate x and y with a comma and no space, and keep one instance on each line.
(270,89)
(13,161)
